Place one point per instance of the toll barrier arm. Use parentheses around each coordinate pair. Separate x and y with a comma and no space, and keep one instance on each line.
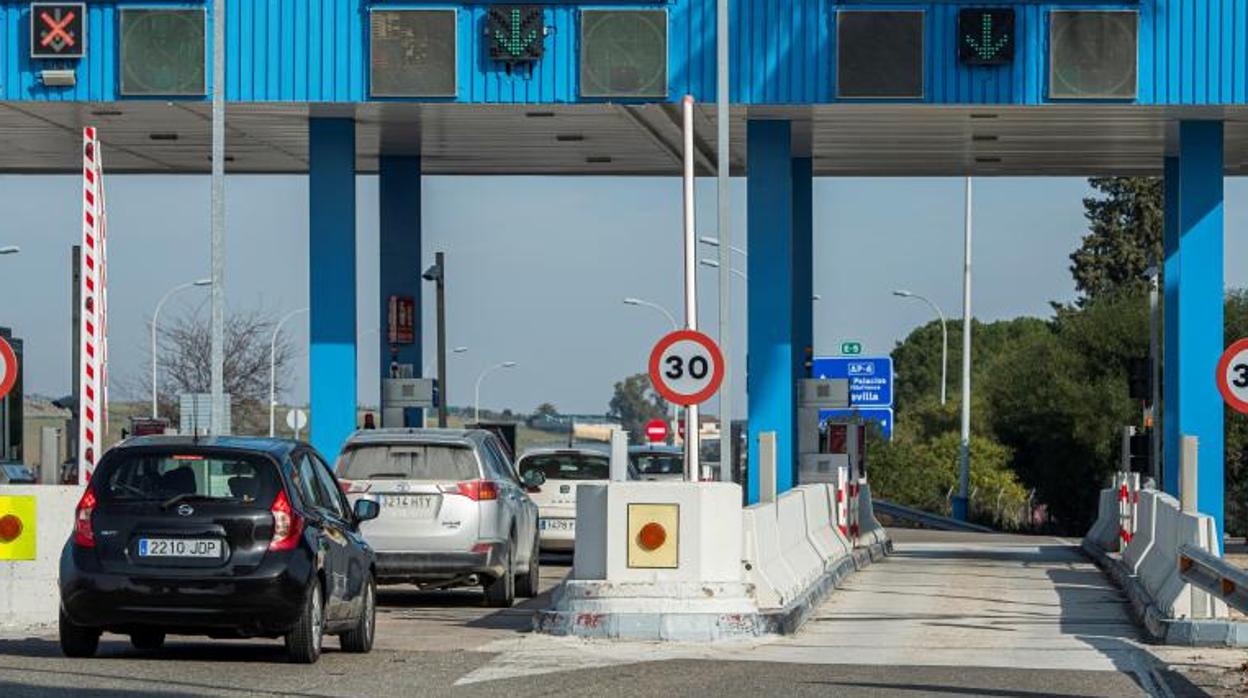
(1214,575)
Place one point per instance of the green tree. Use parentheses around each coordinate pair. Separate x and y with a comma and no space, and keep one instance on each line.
(634,403)
(1125,220)
(546,409)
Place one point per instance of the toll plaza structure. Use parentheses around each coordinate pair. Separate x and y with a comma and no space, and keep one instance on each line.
(819,88)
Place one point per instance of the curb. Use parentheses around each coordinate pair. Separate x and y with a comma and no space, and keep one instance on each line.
(709,627)
(1160,629)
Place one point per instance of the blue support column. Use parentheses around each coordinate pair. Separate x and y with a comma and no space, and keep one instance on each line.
(1170,349)
(771,353)
(1200,305)
(331,256)
(803,282)
(400,269)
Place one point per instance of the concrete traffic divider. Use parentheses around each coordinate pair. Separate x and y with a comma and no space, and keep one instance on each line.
(795,546)
(774,581)
(29,593)
(871,532)
(821,527)
(1104,532)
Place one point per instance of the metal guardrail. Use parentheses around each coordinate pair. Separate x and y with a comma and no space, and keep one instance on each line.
(928,519)
(1214,575)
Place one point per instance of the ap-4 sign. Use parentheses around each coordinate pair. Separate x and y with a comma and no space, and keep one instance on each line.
(870,377)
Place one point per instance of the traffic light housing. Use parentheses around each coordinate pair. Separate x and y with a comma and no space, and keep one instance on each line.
(1142,451)
(1139,379)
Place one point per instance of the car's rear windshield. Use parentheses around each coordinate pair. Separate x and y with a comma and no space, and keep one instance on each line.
(568,466)
(243,477)
(659,463)
(432,462)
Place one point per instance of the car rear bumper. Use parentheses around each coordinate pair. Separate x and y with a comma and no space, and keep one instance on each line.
(433,567)
(265,601)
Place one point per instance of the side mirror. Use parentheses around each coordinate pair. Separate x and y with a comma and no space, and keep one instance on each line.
(533,480)
(366,509)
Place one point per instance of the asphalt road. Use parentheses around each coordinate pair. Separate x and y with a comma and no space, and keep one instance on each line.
(990,616)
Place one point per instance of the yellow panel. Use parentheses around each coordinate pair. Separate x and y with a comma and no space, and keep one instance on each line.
(667,555)
(17,514)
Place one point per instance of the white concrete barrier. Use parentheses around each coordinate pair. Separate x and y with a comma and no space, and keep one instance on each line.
(29,592)
(820,524)
(775,582)
(870,531)
(1143,538)
(795,546)
(1104,532)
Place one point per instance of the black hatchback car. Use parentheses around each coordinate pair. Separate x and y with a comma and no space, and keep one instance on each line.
(222,536)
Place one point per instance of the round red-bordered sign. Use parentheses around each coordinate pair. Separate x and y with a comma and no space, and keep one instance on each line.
(1232,375)
(656,430)
(686,367)
(8,368)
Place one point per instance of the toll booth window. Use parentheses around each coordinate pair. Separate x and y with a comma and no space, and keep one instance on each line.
(1093,54)
(879,54)
(163,52)
(412,53)
(623,53)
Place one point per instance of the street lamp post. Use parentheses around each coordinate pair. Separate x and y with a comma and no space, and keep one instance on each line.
(961,503)
(156,318)
(944,334)
(476,402)
(714,242)
(647,304)
(714,264)
(437,274)
(10,249)
(273,369)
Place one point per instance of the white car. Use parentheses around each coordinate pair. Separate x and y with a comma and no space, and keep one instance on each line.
(453,512)
(553,475)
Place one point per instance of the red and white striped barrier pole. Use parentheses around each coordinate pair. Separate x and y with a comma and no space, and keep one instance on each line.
(842,503)
(92,381)
(1124,510)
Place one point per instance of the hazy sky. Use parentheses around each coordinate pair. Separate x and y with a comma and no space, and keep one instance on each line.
(537,267)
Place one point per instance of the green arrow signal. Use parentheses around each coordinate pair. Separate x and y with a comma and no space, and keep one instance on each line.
(986,46)
(515,40)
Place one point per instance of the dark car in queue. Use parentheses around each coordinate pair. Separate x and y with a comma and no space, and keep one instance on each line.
(657,462)
(225,537)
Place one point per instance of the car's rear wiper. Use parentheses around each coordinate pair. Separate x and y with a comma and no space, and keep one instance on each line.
(373,476)
(190,495)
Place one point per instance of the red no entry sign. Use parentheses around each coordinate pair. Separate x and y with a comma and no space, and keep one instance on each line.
(1232,375)
(8,368)
(656,430)
(686,367)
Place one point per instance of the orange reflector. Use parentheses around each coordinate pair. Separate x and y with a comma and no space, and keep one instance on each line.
(1228,587)
(1185,563)
(10,528)
(652,536)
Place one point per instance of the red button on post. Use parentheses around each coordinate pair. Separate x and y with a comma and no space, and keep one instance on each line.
(652,536)
(10,528)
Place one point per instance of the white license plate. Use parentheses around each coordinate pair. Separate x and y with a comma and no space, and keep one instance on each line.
(179,547)
(557,525)
(416,506)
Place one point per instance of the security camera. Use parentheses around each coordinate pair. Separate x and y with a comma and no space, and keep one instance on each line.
(433,273)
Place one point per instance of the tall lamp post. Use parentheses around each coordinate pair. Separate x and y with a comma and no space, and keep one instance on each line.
(944,335)
(655,306)
(476,401)
(961,503)
(156,319)
(273,369)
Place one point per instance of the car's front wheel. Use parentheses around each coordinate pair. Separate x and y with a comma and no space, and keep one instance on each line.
(500,592)
(303,642)
(360,637)
(77,641)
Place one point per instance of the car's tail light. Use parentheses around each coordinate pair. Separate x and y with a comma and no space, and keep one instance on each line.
(352,487)
(287,524)
(476,490)
(84,537)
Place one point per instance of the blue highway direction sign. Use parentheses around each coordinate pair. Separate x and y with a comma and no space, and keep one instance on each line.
(870,377)
(882,416)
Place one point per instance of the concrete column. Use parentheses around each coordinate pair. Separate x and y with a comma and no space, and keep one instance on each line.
(1196,405)
(400,269)
(1171,437)
(780,271)
(331,256)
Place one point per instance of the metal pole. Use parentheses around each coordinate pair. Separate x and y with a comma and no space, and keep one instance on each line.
(692,425)
(217,421)
(444,394)
(476,398)
(944,335)
(273,370)
(1153,356)
(722,183)
(156,319)
(961,503)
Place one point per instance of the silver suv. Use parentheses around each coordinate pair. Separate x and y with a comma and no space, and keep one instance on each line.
(453,512)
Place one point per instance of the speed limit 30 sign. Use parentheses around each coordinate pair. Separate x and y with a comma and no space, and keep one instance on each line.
(1233,375)
(8,368)
(686,367)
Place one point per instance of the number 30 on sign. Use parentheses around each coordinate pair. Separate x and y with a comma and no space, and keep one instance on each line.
(1233,376)
(686,367)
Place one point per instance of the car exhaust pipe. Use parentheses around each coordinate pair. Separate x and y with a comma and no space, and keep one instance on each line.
(473,580)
